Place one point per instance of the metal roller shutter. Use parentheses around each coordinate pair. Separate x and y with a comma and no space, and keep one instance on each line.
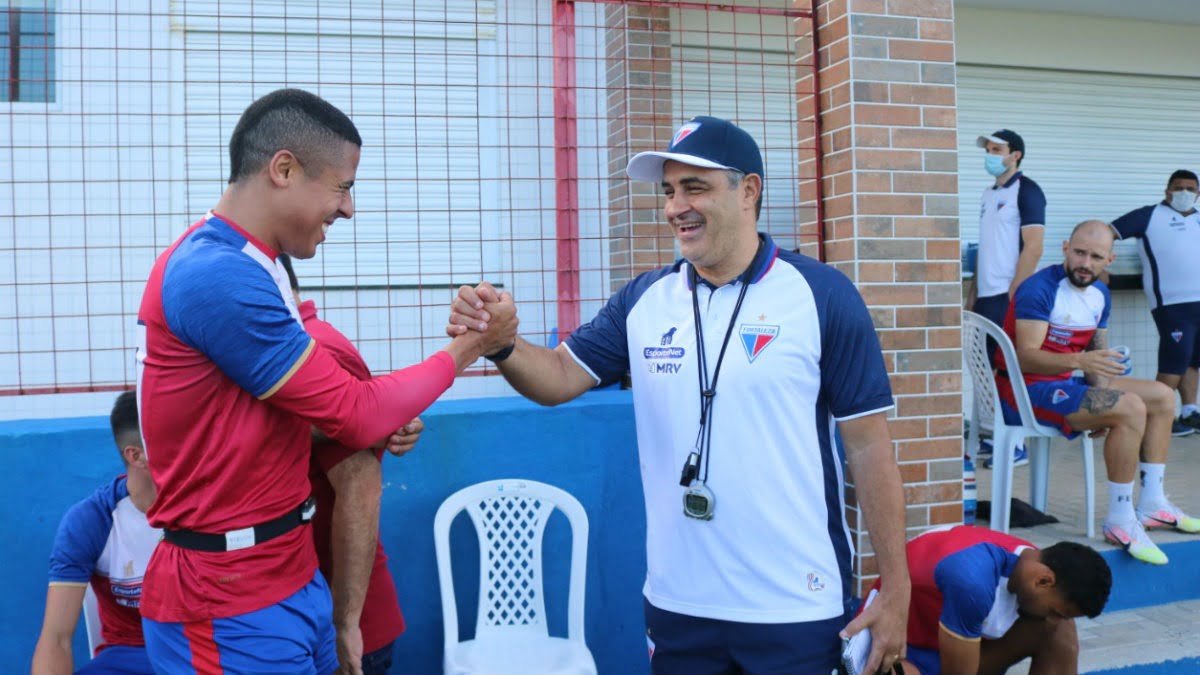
(1099,144)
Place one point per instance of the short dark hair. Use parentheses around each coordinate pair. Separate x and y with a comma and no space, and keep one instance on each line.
(288,119)
(286,261)
(124,421)
(1081,574)
(1182,174)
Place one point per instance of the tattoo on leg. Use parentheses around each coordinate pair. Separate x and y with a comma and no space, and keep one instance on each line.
(1099,401)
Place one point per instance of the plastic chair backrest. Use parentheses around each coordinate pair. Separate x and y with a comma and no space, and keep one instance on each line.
(91,620)
(510,518)
(976,331)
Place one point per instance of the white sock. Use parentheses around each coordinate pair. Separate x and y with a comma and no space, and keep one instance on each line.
(1120,503)
(1152,483)
(1188,409)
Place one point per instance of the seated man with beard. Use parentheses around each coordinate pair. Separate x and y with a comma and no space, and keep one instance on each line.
(1058,323)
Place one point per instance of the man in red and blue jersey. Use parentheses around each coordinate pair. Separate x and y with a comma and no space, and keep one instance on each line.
(984,600)
(230,387)
(1058,323)
(106,542)
(347,485)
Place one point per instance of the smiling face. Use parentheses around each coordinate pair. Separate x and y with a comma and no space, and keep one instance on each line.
(712,218)
(309,204)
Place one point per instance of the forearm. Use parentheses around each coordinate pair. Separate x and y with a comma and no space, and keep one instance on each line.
(358,413)
(1027,263)
(53,657)
(546,376)
(1041,362)
(354,535)
(880,495)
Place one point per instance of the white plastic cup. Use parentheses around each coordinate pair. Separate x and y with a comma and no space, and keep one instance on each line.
(1125,359)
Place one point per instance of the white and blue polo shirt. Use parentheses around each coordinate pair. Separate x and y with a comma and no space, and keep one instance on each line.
(1168,242)
(803,354)
(1003,211)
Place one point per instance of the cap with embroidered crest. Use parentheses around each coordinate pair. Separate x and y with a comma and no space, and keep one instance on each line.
(708,142)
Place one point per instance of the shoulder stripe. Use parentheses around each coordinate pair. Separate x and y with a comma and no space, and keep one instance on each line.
(864,413)
(960,637)
(581,363)
(291,371)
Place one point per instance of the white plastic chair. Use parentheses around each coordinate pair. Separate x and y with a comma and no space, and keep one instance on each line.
(511,635)
(91,621)
(1035,435)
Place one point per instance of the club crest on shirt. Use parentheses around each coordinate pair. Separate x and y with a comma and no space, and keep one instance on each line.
(756,338)
(1177,335)
(1059,396)
(815,583)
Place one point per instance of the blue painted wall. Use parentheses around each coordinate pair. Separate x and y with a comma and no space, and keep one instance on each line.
(586,448)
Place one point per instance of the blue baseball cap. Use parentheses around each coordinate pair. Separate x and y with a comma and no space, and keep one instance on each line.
(1004,137)
(708,142)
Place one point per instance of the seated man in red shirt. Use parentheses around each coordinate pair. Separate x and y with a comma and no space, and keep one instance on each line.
(983,601)
(347,484)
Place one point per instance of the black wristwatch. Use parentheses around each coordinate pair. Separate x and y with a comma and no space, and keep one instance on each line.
(502,354)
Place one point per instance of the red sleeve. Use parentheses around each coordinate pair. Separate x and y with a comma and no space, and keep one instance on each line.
(358,413)
(329,454)
(339,346)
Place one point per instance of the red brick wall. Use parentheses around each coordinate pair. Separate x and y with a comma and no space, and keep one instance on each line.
(638,59)
(887,102)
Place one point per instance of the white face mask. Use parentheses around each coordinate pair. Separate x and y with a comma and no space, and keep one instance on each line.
(1183,200)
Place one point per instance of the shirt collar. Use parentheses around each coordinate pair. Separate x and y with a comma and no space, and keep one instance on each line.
(1009,182)
(768,251)
(308,310)
(267,250)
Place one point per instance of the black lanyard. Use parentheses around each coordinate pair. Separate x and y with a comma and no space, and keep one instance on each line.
(708,390)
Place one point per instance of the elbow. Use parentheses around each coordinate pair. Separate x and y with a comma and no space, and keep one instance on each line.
(352,436)
(548,400)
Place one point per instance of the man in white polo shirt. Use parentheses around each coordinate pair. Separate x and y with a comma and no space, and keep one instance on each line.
(1012,224)
(745,358)
(1168,235)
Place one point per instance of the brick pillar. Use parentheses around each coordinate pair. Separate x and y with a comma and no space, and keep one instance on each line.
(888,144)
(638,53)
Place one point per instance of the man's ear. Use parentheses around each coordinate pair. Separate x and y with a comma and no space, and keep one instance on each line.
(752,186)
(1046,578)
(134,456)
(283,168)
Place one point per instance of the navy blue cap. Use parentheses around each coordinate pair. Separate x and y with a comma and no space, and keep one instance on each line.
(708,142)
(1004,137)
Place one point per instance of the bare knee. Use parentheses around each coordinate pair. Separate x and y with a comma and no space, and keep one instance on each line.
(1058,651)
(1160,399)
(1062,639)
(1131,411)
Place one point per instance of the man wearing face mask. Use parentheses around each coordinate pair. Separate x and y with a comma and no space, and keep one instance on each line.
(1168,235)
(1012,224)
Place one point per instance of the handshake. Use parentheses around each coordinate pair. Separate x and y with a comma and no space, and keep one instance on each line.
(483,322)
